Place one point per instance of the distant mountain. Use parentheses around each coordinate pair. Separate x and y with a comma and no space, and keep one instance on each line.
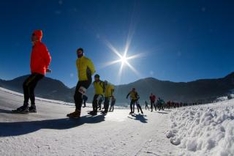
(204,90)
(46,88)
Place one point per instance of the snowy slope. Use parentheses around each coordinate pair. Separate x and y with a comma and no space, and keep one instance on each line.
(49,132)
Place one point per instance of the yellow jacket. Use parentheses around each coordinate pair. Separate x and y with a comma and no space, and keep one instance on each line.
(85,68)
(98,87)
(133,95)
(109,89)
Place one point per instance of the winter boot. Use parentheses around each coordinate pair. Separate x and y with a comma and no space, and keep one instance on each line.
(32,109)
(23,109)
(93,113)
(75,114)
(104,112)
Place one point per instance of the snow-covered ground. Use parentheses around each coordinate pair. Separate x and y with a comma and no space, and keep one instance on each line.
(49,132)
(199,130)
(204,130)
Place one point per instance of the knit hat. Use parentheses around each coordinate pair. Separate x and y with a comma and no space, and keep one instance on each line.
(38,33)
(96,76)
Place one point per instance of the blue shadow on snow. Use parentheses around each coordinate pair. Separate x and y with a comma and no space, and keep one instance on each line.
(25,127)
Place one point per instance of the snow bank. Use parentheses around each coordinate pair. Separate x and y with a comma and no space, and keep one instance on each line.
(204,130)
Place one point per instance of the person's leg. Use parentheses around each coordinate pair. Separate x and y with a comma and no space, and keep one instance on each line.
(84,103)
(106,104)
(131,106)
(32,87)
(94,103)
(155,106)
(140,108)
(78,95)
(111,108)
(26,88)
(151,105)
(78,98)
(99,103)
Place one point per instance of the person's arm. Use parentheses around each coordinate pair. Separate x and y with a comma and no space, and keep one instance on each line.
(91,66)
(112,90)
(46,57)
(128,95)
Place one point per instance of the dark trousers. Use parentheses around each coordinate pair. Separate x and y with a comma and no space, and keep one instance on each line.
(106,104)
(29,86)
(78,96)
(112,106)
(152,105)
(99,103)
(139,108)
(132,105)
(84,103)
(96,102)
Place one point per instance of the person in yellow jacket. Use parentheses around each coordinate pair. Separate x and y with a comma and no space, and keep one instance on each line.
(86,69)
(109,90)
(98,96)
(134,98)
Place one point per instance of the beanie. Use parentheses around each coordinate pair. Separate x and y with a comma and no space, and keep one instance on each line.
(97,76)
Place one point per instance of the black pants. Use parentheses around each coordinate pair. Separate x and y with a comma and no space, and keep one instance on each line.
(132,105)
(112,106)
(84,103)
(106,103)
(96,102)
(152,105)
(139,108)
(78,96)
(29,86)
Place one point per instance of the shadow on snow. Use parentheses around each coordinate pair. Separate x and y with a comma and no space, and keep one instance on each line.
(25,127)
(139,117)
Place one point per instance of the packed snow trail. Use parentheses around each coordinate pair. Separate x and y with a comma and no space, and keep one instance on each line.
(49,132)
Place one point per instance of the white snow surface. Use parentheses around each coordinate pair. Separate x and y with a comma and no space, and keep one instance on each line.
(50,133)
(203,130)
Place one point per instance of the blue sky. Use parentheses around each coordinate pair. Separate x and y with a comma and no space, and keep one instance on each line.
(178,40)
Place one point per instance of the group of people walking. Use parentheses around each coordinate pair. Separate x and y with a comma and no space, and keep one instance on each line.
(155,104)
(39,65)
(103,91)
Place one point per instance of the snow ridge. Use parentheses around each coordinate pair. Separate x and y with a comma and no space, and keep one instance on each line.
(204,130)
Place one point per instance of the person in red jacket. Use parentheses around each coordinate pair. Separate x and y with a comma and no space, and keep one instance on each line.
(152,102)
(39,65)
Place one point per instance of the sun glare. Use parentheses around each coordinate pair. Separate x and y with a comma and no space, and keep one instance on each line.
(123,60)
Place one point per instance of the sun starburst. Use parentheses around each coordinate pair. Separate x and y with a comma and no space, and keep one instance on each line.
(123,59)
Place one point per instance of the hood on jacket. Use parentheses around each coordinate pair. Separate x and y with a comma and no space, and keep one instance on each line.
(38,33)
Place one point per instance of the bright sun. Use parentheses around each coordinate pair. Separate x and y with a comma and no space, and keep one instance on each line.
(123,59)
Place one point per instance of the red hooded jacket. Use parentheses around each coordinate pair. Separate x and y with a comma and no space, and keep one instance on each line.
(40,56)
